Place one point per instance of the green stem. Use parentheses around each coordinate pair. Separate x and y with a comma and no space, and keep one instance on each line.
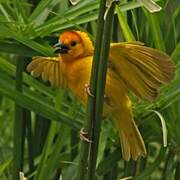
(168,167)
(18,126)
(74,141)
(82,168)
(100,84)
(41,131)
(177,171)
(113,172)
(176,53)
(130,168)
(142,165)
(147,172)
(108,162)
(30,141)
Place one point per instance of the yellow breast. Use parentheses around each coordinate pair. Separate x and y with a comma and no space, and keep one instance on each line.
(77,74)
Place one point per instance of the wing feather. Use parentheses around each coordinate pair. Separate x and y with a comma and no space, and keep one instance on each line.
(46,67)
(51,74)
(57,74)
(142,69)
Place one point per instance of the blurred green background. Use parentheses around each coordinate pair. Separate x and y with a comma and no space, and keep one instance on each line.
(39,125)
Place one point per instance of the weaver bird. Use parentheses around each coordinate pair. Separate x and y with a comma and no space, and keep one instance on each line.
(131,66)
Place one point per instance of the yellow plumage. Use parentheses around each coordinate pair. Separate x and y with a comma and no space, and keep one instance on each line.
(131,66)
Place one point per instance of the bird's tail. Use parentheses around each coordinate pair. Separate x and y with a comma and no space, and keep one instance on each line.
(132,144)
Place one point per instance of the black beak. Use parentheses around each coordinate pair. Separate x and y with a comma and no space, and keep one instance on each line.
(61,48)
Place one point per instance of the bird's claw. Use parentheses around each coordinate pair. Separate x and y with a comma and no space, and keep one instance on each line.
(83,135)
(88,90)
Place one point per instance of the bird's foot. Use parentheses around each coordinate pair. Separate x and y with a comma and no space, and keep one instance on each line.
(83,136)
(88,90)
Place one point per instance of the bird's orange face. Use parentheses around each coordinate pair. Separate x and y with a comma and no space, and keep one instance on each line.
(70,45)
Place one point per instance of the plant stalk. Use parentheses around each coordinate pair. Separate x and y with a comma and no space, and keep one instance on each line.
(29,141)
(95,105)
(100,91)
(177,171)
(84,151)
(18,132)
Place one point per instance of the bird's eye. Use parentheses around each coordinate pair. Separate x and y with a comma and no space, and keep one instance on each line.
(73,43)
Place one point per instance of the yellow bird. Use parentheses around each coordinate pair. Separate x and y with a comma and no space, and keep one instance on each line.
(131,66)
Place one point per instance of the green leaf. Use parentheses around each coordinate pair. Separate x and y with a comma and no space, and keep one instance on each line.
(43,4)
(5,165)
(18,49)
(176,53)
(108,163)
(156,32)
(37,106)
(128,35)
(10,69)
(45,50)
(150,5)
(149,170)
(164,128)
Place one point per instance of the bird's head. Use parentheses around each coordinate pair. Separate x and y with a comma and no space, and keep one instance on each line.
(74,45)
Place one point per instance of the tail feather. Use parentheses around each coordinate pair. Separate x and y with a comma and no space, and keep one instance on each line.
(132,144)
(125,147)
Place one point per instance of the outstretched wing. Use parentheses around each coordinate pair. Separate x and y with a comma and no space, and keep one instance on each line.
(142,69)
(46,67)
